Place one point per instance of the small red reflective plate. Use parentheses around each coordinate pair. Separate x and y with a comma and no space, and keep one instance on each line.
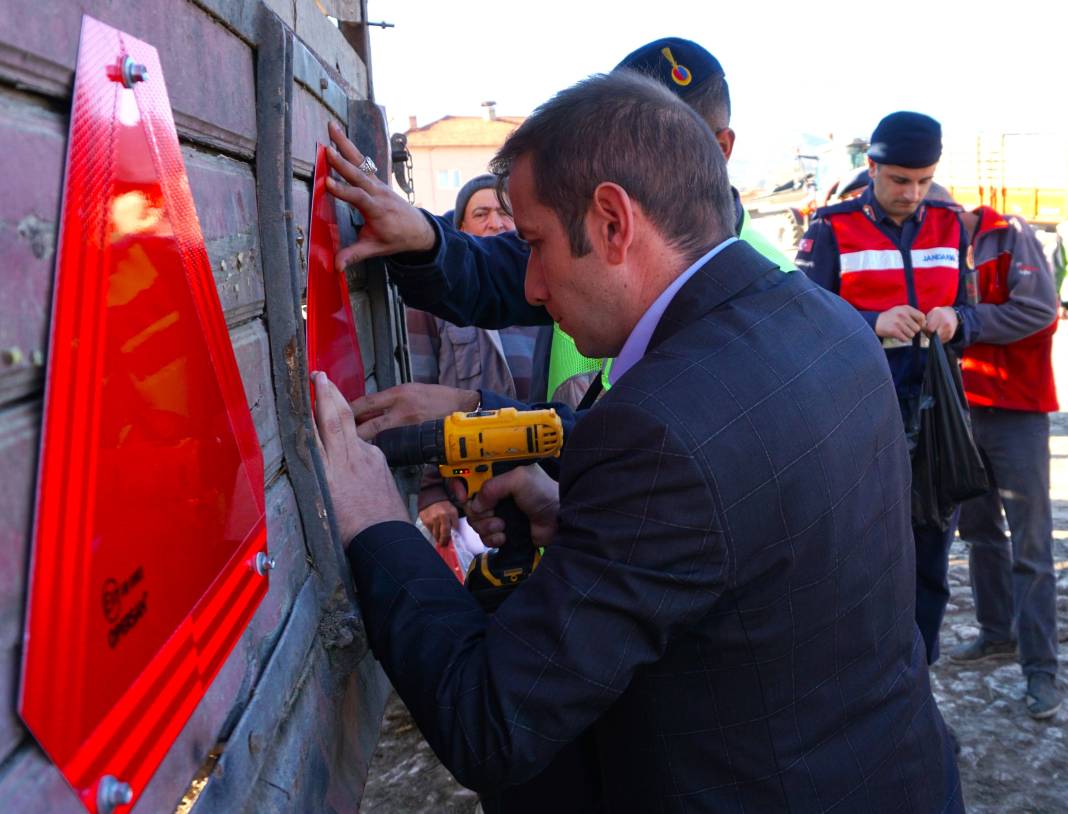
(333,346)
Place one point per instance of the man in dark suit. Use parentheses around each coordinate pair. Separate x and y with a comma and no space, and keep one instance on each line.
(725,599)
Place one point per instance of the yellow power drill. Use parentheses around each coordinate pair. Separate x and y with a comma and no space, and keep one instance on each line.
(475,447)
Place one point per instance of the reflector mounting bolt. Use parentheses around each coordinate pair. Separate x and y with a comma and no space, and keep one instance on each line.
(112,792)
(132,72)
(264,563)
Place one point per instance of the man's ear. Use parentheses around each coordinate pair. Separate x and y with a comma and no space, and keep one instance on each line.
(871,168)
(610,222)
(725,139)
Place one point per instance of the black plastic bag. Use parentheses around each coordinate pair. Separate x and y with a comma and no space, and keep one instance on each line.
(946,466)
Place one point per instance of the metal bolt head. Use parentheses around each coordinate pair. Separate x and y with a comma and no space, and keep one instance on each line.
(133,72)
(112,792)
(264,563)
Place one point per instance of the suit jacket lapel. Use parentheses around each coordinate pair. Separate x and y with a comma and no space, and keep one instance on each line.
(720,279)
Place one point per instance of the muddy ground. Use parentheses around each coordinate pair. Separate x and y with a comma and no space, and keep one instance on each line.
(1009,763)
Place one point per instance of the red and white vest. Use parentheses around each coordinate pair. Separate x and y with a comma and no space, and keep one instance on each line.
(1017,376)
(872,268)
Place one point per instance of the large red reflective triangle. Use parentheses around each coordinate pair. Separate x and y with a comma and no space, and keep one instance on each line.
(332,343)
(150,507)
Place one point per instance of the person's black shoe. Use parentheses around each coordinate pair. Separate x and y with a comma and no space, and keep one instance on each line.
(982,649)
(1043,699)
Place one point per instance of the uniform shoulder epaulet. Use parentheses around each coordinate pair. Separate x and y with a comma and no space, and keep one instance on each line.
(852,205)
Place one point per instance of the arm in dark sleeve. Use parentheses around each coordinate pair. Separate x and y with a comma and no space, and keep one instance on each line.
(968,325)
(818,257)
(495,401)
(497,697)
(1032,302)
(468,280)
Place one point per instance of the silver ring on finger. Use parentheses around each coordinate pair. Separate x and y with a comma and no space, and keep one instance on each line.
(367,166)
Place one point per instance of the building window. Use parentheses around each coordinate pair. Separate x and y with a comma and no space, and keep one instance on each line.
(449,179)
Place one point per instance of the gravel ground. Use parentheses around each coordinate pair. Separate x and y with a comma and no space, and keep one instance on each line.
(1009,763)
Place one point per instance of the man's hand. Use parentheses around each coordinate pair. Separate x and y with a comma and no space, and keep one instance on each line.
(440,519)
(411,403)
(900,322)
(535,493)
(942,321)
(361,487)
(391,224)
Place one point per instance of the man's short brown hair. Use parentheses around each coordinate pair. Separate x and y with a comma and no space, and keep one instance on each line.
(626,129)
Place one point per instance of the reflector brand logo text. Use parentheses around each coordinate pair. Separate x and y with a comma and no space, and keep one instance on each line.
(114,604)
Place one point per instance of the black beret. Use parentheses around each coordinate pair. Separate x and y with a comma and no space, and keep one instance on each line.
(906,139)
(679,64)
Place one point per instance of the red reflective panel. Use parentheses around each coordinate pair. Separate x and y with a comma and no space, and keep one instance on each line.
(332,344)
(150,507)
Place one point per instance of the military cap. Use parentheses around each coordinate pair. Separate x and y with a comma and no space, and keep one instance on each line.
(906,139)
(679,64)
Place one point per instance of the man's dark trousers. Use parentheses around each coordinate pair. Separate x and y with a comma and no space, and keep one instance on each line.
(1012,574)
(932,581)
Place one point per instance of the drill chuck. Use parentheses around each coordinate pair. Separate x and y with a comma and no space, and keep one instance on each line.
(414,444)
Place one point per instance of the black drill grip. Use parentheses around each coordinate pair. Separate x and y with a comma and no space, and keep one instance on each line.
(517,541)
(494,574)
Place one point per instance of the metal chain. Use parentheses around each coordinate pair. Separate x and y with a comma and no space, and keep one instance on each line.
(402,165)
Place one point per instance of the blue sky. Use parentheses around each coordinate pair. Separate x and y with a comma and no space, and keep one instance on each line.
(793,67)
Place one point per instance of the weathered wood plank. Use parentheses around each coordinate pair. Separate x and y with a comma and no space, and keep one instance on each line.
(34,139)
(248,744)
(361,312)
(253,353)
(224,192)
(309,129)
(19,429)
(315,765)
(30,782)
(319,80)
(324,39)
(301,207)
(39,51)
(240,15)
(285,9)
(344,10)
(34,136)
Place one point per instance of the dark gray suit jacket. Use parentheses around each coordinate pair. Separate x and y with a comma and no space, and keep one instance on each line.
(729,600)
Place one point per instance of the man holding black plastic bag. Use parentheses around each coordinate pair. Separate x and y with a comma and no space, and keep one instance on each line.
(1008,376)
(901,262)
